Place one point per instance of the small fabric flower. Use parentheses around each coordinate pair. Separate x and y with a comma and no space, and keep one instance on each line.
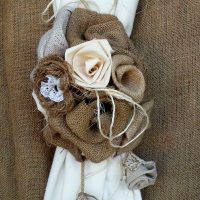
(52,80)
(139,173)
(91,62)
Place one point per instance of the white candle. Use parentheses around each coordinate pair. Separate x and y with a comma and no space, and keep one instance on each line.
(125,10)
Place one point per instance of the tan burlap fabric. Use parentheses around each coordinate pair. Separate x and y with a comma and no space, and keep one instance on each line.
(127,77)
(80,127)
(167,33)
(25,159)
(7,152)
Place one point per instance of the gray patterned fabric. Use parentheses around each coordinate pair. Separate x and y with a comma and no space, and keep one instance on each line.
(139,173)
(54,40)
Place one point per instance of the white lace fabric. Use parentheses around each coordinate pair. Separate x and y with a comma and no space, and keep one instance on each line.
(51,89)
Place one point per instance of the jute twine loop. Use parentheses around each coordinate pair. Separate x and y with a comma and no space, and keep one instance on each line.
(119,95)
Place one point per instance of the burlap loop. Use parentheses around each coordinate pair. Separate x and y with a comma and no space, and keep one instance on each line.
(135,128)
(54,41)
(56,66)
(127,77)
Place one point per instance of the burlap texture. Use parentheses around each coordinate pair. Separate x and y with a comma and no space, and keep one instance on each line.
(7,151)
(85,25)
(167,33)
(127,77)
(56,66)
(25,159)
(81,128)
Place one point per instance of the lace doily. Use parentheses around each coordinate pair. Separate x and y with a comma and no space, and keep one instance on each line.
(51,89)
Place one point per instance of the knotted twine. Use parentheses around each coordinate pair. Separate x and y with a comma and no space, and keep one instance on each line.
(119,95)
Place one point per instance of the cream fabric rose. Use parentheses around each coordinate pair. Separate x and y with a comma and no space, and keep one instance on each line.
(91,62)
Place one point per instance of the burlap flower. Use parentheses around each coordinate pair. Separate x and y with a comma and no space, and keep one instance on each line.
(49,69)
(91,62)
(78,131)
(80,127)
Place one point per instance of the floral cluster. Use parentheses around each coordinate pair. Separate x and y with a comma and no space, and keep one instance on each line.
(89,91)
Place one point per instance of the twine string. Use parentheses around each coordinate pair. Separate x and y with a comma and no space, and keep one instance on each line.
(119,95)
(82,177)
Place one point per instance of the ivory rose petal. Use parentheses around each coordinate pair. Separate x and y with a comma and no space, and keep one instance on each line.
(91,62)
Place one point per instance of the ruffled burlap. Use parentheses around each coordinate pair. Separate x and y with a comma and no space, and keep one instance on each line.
(58,67)
(85,25)
(78,131)
(80,127)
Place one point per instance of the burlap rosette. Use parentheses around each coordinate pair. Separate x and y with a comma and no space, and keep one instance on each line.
(56,66)
(85,25)
(78,130)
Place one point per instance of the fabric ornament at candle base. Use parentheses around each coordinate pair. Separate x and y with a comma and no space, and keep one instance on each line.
(89,84)
(139,173)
